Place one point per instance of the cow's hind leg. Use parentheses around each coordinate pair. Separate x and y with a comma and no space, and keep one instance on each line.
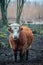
(22,56)
(15,55)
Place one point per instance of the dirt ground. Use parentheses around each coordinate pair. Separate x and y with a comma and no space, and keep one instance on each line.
(6,58)
(35,56)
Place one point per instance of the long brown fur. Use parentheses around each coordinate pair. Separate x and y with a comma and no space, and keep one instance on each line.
(25,39)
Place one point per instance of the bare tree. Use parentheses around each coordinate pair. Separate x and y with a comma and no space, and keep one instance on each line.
(20,4)
(4,6)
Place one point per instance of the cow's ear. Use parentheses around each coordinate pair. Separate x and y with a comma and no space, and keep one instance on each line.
(9,24)
(20,28)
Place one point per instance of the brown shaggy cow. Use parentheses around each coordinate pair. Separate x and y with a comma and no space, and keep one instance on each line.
(21,38)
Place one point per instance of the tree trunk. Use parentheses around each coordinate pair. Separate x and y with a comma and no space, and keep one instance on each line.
(20,4)
(17,17)
(4,13)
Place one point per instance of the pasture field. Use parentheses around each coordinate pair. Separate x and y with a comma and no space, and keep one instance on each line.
(35,54)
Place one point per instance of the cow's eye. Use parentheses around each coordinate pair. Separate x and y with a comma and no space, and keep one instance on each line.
(15,28)
(10,28)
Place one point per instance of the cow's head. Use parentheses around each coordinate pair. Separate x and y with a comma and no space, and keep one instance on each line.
(14,30)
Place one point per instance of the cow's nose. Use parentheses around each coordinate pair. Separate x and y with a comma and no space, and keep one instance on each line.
(15,37)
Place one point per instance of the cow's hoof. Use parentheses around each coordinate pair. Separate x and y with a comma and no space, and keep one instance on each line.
(15,60)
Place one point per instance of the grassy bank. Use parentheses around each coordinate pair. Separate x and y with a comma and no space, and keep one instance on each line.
(4,34)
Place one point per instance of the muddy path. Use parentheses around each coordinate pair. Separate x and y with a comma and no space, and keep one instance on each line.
(35,56)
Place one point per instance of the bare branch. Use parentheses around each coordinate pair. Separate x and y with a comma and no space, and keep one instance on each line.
(20,4)
(7,3)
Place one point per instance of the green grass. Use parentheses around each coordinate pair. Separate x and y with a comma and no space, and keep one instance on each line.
(38,29)
(4,35)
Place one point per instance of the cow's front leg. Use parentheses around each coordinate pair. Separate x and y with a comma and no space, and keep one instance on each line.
(15,55)
(27,54)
